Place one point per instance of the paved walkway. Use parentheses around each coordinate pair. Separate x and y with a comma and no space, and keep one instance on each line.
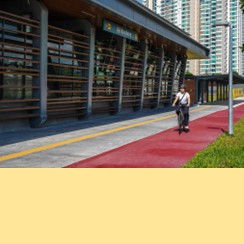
(166,149)
(62,145)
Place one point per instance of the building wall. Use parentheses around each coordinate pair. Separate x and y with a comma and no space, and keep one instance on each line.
(242,42)
(191,89)
(89,71)
(216,38)
(197,18)
(151,4)
(194,19)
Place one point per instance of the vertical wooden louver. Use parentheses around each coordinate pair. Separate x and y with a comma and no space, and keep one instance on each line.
(19,62)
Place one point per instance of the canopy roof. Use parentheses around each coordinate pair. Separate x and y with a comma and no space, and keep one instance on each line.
(135,16)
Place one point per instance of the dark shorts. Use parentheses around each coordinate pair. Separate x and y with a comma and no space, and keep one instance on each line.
(185,110)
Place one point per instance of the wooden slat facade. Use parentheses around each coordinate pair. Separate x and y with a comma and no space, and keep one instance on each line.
(105,93)
(67,73)
(152,80)
(70,87)
(18,66)
(133,75)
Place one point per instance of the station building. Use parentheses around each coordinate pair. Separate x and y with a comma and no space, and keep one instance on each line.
(73,59)
(213,88)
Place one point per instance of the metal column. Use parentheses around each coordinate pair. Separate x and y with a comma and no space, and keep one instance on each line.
(40,13)
(122,71)
(160,77)
(144,73)
(91,31)
(172,75)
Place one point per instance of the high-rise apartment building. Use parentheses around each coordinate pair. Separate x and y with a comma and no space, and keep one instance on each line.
(151,4)
(172,11)
(186,15)
(197,18)
(242,62)
(217,38)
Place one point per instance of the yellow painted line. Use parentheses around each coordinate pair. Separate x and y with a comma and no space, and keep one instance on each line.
(82,138)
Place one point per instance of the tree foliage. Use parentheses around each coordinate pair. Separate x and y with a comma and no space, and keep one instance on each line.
(242,5)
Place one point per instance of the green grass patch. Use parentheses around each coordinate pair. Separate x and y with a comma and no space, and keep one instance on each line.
(226,152)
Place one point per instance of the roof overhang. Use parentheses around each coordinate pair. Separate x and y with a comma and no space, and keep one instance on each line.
(237,79)
(133,15)
(144,17)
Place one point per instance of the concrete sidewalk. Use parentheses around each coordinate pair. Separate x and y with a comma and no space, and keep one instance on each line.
(62,145)
(167,149)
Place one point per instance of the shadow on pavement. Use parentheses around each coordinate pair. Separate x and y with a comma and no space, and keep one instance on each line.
(64,127)
(217,128)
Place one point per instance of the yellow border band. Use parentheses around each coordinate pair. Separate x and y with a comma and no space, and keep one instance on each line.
(82,138)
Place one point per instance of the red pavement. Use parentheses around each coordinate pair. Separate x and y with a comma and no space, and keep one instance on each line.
(166,149)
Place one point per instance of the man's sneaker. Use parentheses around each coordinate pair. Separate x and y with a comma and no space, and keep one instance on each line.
(186,127)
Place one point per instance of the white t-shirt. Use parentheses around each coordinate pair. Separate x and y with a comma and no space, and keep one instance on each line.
(184,99)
